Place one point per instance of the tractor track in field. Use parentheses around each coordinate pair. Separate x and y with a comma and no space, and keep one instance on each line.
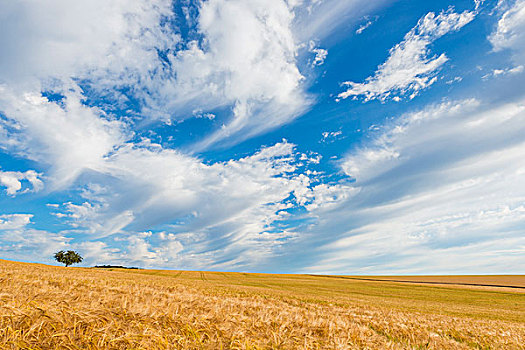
(203,277)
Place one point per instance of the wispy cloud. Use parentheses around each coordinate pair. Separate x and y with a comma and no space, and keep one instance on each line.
(245,59)
(72,138)
(436,183)
(78,81)
(331,136)
(322,19)
(234,68)
(504,72)
(410,68)
(232,211)
(91,91)
(509,33)
(13,181)
(14,221)
(367,24)
(20,241)
(320,54)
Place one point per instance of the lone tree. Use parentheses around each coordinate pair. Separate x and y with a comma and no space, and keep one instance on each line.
(68,258)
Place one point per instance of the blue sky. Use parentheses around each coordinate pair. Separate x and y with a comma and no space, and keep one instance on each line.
(316,136)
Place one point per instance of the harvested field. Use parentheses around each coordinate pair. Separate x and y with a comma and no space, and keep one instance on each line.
(508,281)
(47,307)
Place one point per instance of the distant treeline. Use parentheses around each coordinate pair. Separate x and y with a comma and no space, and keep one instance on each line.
(115,267)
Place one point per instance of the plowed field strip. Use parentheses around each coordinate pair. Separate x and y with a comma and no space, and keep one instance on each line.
(422,282)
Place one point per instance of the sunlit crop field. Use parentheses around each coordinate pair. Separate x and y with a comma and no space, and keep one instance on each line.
(46,307)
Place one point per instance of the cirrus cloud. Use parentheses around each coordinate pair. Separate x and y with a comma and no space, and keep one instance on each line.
(409,69)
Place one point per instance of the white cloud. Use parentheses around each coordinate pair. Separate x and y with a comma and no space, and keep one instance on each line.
(479,4)
(409,69)
(326,196)
(432,186)
(245,62)
(88,215)
(368,23)
(247,58)
(31,245)
(432,189)
(504,71)
(320,54)
(20,242)
(14,221)
(513,70)
(200,115)
(56,45)
(331,136)
(13,180)
(234,214)
(510,30)
(140,251)
(227,211)
(454,80)
(322,19)
(99,253)
(249,61)
(68,138)
(98,39)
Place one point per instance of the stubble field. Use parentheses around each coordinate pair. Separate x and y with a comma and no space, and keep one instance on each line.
(47,307)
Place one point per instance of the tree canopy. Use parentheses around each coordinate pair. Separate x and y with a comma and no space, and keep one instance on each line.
(68,258)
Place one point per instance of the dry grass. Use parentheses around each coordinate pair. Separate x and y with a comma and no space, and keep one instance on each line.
(45,307)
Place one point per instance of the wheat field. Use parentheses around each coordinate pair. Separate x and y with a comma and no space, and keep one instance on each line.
(48,307)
